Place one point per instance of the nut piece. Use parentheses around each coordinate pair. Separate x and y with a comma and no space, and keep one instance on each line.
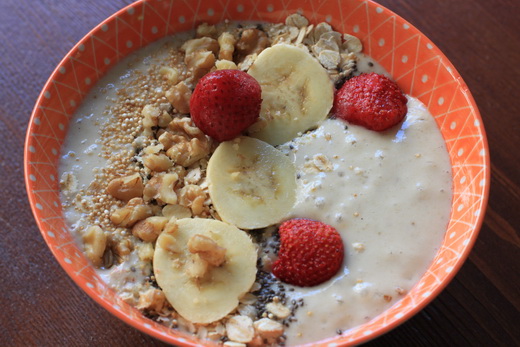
(126,188)
(170,74)
(207,249)
(192,196)
(205,29)
(145,251)
(201,44)
(134,211)
(227,46)
(95,242)
(268,328)
(153,300)
(169,243)
(200,63)
(196,267)
(278,309)
(179,96)
(176,211)
(240,329)
(225,65)
(252,41)
(149,229)
(166,192)
(157,162)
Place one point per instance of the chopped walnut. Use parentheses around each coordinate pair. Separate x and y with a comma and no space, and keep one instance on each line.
(207,249)
(95,242)
(200,44)
(176,211)
(157,162)
(170,74)
(169,243)
(251,41)
(126,188)
(225,65)
(149,229)
(200,63)
(134,211)
(196,267)
(153,300)
(166,192)
(205,29)
(145,251)
(179,96)
(193,196)
(227,46)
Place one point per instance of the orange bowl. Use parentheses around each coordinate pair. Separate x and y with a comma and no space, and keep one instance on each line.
(412,59)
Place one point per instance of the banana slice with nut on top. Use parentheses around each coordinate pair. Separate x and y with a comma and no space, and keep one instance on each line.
(203,267)
(297,93)
(251,184)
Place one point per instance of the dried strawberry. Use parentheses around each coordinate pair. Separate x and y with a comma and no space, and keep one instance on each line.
(311,252)
(371,100)
(225,103)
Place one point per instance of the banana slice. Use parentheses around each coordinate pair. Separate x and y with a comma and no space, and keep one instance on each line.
(251,184)
(204,293)
(296,93)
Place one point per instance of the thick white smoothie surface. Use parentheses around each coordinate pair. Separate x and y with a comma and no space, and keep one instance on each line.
(389,196)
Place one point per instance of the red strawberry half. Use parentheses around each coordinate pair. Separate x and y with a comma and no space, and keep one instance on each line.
(311,252)
(225,103)
(371,100)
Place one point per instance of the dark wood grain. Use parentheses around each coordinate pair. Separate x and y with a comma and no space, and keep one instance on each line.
(40,305)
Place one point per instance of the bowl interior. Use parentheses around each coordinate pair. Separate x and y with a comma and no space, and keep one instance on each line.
(413,60)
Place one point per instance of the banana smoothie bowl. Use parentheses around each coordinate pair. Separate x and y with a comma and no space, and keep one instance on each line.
(258,176)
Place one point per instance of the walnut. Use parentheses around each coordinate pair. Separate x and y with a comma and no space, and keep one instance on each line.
(153,300)
(185,126)
(126,188)
(134,211)
(207,249)
(176,211)
(227,46)
(166,191)
(170,74)
(200,63)
(149,229)
(95,242)
(193,196)
(205,29)
(196,267)
(200,44)
(150,115)
(145,251)
(251,41)
(123,247)
(157,162)
(187,153)
(169,243)
(225,65)
(179,96)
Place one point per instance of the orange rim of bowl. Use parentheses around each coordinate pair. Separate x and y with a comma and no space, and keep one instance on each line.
(417,65)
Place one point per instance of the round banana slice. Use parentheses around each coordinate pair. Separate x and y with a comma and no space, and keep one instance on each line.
(297,93)
(198,290)
(251,184)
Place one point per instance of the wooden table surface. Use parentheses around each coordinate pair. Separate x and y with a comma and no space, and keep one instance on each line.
(40,305)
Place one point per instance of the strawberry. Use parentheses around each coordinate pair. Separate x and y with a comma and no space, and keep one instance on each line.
(371,100)
(311,252)
(225,103)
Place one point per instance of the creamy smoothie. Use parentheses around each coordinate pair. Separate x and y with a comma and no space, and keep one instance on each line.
(387,193)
